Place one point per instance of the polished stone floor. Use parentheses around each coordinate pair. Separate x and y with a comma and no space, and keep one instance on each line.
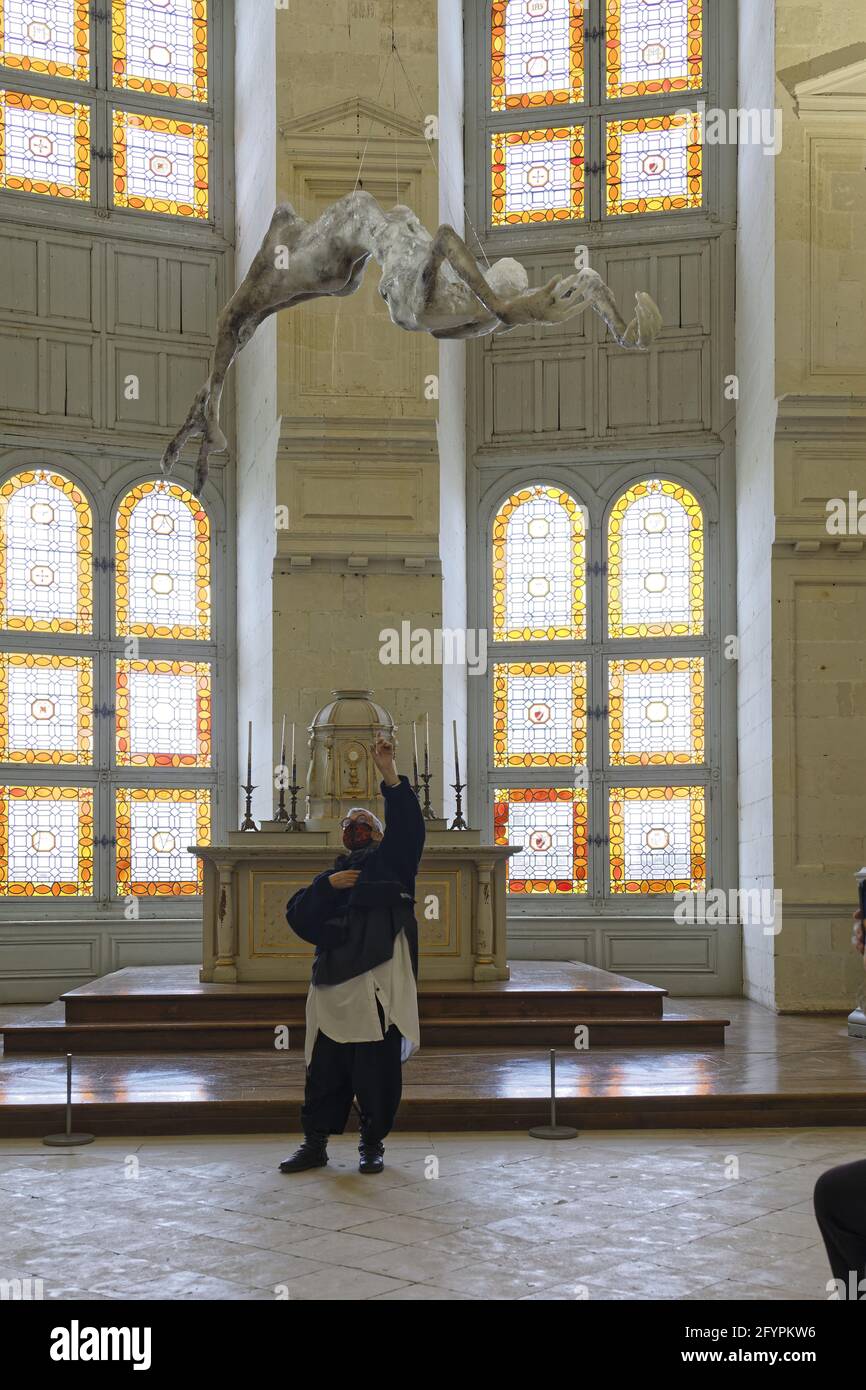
(684,1215)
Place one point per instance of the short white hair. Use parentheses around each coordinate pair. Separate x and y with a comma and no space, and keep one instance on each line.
(362,810)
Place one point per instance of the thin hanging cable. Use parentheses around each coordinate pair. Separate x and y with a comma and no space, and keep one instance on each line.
(354,190)
(433,159)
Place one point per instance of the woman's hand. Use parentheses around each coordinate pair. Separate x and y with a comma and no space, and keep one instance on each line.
(344,878)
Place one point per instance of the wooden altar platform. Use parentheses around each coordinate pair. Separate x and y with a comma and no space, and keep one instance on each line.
(168,1009)
(772,1072)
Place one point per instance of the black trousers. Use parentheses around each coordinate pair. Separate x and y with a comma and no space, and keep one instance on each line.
(840,1207)
(372,1071)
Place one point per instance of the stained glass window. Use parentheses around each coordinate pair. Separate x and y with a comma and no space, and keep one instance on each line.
(654,164)
(539,577)
(656,711)
(163,714)
(656,562)
(653,46)
(537,175)
(46,841)
(160,46)
(657,839)
(154,828)
(537,53)
(539,714)
(162,557)
(551,826)
(44,146)
(46,556)
(160,165)
(46,708)
(46,36)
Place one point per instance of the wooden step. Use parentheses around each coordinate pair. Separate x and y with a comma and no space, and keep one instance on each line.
(505,1030)
(564,1008)
(565,992)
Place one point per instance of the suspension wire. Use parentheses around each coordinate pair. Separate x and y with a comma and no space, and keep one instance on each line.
(433,159)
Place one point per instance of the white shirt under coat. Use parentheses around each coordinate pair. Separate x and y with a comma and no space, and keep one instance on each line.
(347,1013)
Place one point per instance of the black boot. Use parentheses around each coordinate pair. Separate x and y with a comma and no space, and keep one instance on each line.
(313,1153)
(371,1151)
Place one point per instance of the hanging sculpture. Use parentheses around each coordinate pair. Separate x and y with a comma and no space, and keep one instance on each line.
(430,284)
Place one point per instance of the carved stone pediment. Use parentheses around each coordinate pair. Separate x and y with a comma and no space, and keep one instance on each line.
(833,84)
(354,117)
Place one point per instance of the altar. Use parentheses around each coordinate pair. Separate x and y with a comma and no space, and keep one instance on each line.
(460,906)
(459,891)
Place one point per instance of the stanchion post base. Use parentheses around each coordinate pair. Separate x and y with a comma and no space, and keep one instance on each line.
(553,1132)
(67,1141)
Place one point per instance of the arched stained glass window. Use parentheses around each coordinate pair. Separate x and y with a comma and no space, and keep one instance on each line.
(92,713)
(539,580)
(162,586)
(656,562)
(598,761)
(46,555)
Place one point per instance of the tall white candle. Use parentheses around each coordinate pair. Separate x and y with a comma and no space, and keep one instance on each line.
(293,751)
(249,753)
(456,758)
(426,744)
(283,744)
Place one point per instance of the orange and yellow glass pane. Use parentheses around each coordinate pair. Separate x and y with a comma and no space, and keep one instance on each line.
(46,36)
(44,146)
(46,709)
(655,164)
(163,714)
(160,46)
(46,842)
(162,563)
(655,562)
(656,711)
(46,555)
(539,714)
(154,826)
(537,176)
(658,840)
(550,824)
(653,46)
(536,53)
(539,567)
(160,165)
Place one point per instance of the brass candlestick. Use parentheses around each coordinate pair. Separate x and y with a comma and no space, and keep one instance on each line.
(282,814)
(248,823)
(293,825)
(458,822)
(427,810)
